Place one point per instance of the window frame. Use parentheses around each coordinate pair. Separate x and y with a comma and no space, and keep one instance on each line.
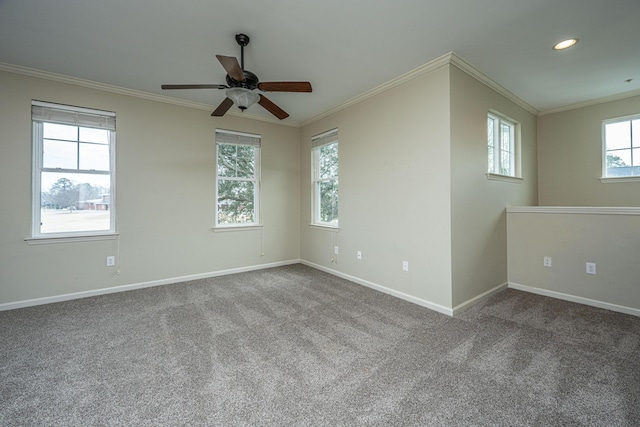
(80,117)
(317,142)
(515,159)
(228,137)
(620,178)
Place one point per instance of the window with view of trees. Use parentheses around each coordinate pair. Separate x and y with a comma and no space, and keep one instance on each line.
(622,147)
(73,173)
(238,171)
(325,178)
(501,137)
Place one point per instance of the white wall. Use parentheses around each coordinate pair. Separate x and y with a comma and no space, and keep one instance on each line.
(570,157)
(394,191)
(478,221)
(165,170)
(572,237)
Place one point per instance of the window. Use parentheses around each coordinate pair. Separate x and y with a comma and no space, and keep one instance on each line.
(621,147)
(324,154)
(238,171)
(503,146)
(73,171)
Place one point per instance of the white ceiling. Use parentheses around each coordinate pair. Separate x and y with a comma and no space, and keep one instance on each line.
(344,48)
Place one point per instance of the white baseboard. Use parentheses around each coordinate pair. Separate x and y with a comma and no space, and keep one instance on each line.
(473,301)
(573,298)
(424,303)
(123,288)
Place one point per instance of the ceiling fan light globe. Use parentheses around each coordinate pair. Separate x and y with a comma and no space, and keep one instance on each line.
(243,98)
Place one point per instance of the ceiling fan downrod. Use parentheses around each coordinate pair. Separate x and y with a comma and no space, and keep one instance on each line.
(242,40)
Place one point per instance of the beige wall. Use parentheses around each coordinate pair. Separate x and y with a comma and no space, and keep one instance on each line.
(394,190)
(569,168)
(478,221)
(412,187)
(165,170)
(570,157)
(572,239)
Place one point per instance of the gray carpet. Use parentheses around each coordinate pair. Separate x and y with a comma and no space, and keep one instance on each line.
(296,346)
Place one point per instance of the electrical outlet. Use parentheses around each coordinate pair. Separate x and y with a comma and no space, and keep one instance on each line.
(335,250)
(111,261)
(405,265)
(359,254)
(591,268)
(546,261)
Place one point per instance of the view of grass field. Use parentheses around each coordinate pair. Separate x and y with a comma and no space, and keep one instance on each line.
(67,220)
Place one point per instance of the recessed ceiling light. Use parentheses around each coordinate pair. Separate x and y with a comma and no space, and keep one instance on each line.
(565,44)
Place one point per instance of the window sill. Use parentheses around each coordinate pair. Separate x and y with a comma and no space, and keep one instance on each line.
(322,227)
(505,178)
(224,229)
(69,239)
(613,180)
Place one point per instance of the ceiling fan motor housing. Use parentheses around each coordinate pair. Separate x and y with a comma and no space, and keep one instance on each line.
(250,81)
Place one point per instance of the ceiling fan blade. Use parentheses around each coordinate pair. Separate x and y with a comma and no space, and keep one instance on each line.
(194,86)
(285,86)
(222,108)
(232,67)
(272,108)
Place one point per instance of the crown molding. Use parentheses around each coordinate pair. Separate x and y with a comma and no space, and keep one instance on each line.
(463,65)
(591,102)
(61,78)
(447,59)
(417,72)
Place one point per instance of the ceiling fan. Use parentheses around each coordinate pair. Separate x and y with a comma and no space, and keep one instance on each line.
(241,85)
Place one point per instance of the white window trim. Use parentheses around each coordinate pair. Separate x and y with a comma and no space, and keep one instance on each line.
(234,227)
(615,179)
(320,140)
(517,157)
(619,179)
(323,227)
(505,178)
(241,138)
(70,239)
(36,175)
